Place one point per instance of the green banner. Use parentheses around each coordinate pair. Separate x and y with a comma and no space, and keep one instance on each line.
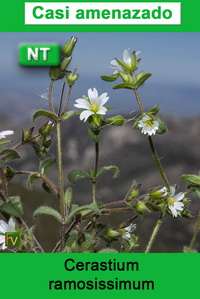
(100,275)
(14,15)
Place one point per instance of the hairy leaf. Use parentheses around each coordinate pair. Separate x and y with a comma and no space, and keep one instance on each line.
(105,169)
(124,85)
(12,206)
(44,113)
(68,197)
(193,180)
(47,164)
(8,155)
(91,207)
(94,135)
(33,178)
(46,210)
(77,174)
(110,78)
(68,115)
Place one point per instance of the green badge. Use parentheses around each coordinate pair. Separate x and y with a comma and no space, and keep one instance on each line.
(39,54)
(12,239)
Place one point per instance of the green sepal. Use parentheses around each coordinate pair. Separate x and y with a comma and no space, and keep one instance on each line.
(46,210)
(193,180)
(46,165)
(67,115)
(154,110)
(104,169)
(124,85)
(189,250)
(5,142)
(8,155)
(45,113)
(12,206)
(141,80)
(77,174)
(162,127)
(110,78)
(94,135)
(68,196)
(125,66)
(33,178)
(117,120)
(92,207)
(65,62)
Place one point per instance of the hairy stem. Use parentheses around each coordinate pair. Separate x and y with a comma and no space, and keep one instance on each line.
(197,227)
(60,182)
(155,230)
(153,150)
(50,96)
(3,183)
(94,186)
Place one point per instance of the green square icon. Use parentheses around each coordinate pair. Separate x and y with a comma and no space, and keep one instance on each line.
(39,54)
(12,239)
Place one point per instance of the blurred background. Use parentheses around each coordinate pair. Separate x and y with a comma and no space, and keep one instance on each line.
(173,60)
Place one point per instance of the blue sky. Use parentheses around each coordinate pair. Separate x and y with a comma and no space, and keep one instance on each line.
(172,58)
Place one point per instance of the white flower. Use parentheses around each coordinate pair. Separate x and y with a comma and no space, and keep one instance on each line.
(174,203)
(126,59)
(94,104)
(3,134)
(128,231)
(6,228)
(148,125)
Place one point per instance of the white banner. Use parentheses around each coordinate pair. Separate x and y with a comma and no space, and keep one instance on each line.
(109,13)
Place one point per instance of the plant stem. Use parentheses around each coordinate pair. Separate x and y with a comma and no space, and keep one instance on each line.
(60,182)
(3,183)
(94,186)
(50,98)
(195,232)
(155,230)
(158,164)
(153,150)
(61,99)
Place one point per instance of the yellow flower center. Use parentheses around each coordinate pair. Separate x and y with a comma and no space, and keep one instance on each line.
(172,202)
(149,122)
(94,108)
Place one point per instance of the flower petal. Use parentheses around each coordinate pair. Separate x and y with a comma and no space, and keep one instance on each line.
(2,239)
(179,196)
(3,227)
(92,94)
(126,57)
(11,224)
(103,98)
(82,103)
(85,114)
(102,110)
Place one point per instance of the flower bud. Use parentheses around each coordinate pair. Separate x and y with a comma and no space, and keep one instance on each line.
(141,208)
(158,192)
(72,78)
(46,128)
(69,46)
(46,142)
(64,64)
(135,192)
(112,233)
(28,134)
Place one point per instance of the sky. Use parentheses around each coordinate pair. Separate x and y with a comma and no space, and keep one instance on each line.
(172,58)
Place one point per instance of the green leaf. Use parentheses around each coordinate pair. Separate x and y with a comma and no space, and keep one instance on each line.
(8,155)
(31,235)
(197,190)
(110,78)
(73,236)
(68,197)
(189,250)
(193,180)
(153,110)
(117,120)
(104,169)
(54,72)
(67,115)
(46,165)
(108,250)
(124,85)
(162,127)
(94,135)
(9,172)
(46,187)
(12,206)
(92,207)
(44,113)
(141,80)
(46,210)
(77,174)
(33,178)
